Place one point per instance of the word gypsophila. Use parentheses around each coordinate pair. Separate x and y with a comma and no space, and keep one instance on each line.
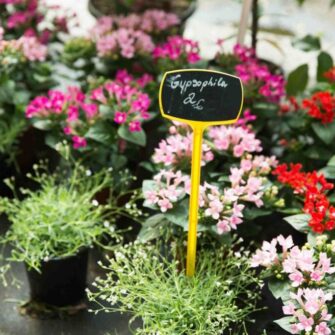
(194,83)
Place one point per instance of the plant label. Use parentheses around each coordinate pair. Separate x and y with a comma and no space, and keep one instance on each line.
(204,96)
(200,98)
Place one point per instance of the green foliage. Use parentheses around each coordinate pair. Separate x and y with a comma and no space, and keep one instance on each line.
(63,217)
(325,62)
(297,80)
(308,43)
(150,286)
(326,132)
(299,222)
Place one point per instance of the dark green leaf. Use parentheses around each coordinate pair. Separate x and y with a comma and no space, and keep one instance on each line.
(325,62)
(318,152)
(308,43)
(326,133)
(297,80)
(102,132)
(136,137)
(279,289)
(285,323)
(299,222)
(331,161)
(151,228)
(328,171)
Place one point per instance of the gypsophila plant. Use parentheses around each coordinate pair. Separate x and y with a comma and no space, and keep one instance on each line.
(151,287)
(63,216)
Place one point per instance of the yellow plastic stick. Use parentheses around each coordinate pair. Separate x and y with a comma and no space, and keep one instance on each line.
(194,199)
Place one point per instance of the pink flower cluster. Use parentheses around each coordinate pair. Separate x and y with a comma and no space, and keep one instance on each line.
(305,268)
(235,139)
(27,15)
(176,151)
(27,47)
(127,43)
(76,113)
(151,21)
(169,188)
(310,312)
(224,206)
(67,107)
(246,118)
(178,48)
(125,78)
(130,104)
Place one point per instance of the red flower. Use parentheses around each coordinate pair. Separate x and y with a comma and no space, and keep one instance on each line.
(313,187)
(330,75)
(320,106)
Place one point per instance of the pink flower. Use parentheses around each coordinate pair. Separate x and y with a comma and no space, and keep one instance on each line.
(73,113)
(135,126)
(289,309)
(120,117)
(79,142)
(223,227)
(91,110)
(322,329)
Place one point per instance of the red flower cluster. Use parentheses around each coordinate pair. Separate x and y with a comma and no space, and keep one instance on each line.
(321,106)
(330,75)
(313,187)
(291,106)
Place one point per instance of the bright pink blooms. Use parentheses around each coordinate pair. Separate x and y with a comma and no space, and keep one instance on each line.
(76,112)
(179,49)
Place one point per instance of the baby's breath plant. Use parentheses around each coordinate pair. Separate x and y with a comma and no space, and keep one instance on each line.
(140,281)
(62,217)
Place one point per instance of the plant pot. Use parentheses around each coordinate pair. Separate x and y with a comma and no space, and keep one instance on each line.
(62,281)
(184,9)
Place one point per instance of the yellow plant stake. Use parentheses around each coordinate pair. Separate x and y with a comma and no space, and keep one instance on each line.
(200,98)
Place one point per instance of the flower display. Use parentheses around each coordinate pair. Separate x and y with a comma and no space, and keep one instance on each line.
(124,42)
(309,272)
(23,49)
(221,202)
(176,52)
(151,21)
(33,19)
(78,113)
(259,81)
(313,188)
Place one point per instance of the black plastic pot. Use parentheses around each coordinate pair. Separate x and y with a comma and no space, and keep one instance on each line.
(100,8)
(62,281)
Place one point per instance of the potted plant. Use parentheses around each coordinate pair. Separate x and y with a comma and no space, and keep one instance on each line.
(302,280)
(152,287)
(183,8)
(53,228)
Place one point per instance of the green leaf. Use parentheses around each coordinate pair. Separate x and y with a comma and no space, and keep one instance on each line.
(307,43)
(279,289)
(297,80)
(331,161)
(328,171)
(136,137)
(43,124)
(253,213)
(285,323)
(151,228)
(325,62)
(326,133)
(317,152)
(179,214)
(298,222)
(102,132)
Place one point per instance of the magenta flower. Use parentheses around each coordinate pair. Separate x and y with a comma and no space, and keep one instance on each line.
(120,117)
(135,126)
(79,142)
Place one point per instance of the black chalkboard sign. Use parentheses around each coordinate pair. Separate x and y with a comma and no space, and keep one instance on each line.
(201,96)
